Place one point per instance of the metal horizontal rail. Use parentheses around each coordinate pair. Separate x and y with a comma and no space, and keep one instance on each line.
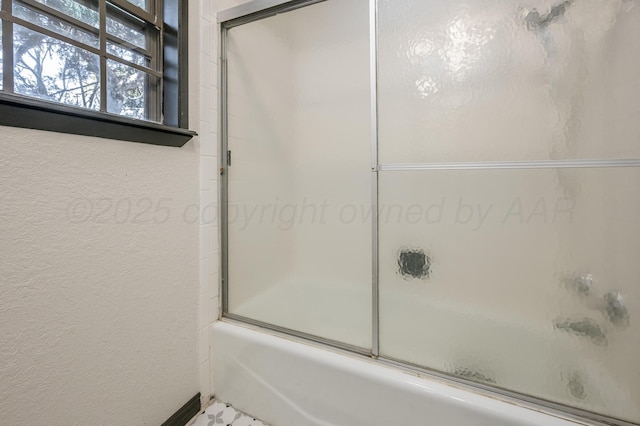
(137,12)
(542,164)
(259,9)
(130,46)
(248,8)
(150,71)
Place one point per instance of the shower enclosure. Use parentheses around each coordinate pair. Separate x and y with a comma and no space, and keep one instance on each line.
(446,186)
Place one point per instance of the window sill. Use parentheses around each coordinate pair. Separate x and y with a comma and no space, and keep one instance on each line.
(28,113)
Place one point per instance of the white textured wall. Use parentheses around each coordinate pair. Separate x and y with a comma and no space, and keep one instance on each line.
(99,312)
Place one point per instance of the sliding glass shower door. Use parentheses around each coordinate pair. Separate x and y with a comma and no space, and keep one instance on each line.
(509,195)
(447,185)
(299,197)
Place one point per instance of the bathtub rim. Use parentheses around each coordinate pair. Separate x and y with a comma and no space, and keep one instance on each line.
(576,415)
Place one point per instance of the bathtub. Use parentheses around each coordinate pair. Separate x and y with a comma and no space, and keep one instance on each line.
(287,382)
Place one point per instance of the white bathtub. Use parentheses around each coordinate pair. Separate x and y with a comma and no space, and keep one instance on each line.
(289,383)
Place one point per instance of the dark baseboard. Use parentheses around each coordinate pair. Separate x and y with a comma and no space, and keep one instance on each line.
(185,413)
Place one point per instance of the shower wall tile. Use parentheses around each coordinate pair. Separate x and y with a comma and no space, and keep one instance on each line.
(203,128)
(214,243)
(213,292)
(203,349)
(205,243)
(215,303)
(205,273)
(207,11)
(202,12)
(214,261)
(211,360)
(207,167)
(205,381)
(206,310)
(213,126)
(203,58)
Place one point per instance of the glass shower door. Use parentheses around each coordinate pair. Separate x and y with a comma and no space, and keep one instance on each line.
(299,136)
(507,231)
(509,199)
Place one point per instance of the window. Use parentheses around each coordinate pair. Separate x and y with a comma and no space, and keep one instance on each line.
(114,61)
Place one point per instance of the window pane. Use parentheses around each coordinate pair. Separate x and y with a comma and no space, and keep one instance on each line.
(1,75)
(128,28)
(55,25)
(144,4)
(51,69)
(83,10)
(130,91)
(128,54)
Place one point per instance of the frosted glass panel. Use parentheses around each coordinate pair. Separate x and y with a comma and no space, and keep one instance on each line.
(522,279)
(504,80)
(299,134)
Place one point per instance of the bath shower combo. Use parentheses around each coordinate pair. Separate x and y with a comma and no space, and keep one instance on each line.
(432,212)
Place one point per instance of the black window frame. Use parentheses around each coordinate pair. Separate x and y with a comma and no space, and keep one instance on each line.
(170,19)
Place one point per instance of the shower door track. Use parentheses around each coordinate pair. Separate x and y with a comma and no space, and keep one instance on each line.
(259,9)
